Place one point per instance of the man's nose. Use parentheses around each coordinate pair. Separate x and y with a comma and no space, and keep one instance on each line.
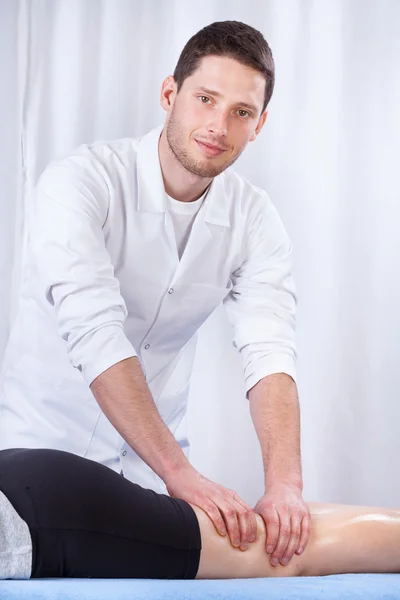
(219,124)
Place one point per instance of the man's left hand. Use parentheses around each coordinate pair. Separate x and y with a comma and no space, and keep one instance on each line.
(288,522)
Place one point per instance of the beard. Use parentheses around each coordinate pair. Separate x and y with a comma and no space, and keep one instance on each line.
(205,167)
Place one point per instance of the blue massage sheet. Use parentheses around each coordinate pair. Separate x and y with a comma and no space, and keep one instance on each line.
(331,587)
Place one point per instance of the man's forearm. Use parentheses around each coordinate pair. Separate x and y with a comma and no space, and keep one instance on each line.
(274,408)
(125,398)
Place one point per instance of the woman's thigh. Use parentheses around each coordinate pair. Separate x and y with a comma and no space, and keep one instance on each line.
(344,539)
(219,559)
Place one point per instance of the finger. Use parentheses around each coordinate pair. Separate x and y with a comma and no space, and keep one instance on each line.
(248,523)
(284,536)
(305,533)
(230,517)
(244,519)
(294,539)
(215,515)
(271,519)
(251,519)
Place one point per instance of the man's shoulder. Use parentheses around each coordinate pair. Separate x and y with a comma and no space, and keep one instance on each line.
(245,195)
(98,161)
(98,151)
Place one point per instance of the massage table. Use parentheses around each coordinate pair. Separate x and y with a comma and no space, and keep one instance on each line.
(331,587)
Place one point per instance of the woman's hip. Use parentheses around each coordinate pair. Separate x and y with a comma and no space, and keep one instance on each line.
(88,521)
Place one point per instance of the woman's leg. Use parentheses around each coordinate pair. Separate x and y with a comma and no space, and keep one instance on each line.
(353,539)
(344,539)
(87,521)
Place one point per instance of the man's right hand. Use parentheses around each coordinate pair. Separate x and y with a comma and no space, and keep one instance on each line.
(224,507)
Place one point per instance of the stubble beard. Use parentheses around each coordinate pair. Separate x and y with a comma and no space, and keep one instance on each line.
(202,168)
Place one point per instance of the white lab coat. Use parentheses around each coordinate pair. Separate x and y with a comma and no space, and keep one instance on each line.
(102,282)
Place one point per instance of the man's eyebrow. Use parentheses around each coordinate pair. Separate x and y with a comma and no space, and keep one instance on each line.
(219,95)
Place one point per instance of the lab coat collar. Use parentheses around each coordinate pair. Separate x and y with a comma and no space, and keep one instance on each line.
(152,196)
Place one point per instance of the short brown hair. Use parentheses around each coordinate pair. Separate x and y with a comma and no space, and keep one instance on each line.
(235,40)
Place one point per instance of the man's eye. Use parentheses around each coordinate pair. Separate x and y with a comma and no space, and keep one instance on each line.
(201,98)
(244,111)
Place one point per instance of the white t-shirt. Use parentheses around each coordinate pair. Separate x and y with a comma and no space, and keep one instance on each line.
(183,215)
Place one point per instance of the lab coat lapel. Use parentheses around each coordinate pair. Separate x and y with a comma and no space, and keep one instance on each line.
(152,198)
(151,192)
(214,211)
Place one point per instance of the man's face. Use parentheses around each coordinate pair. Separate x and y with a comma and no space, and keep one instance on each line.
(211,107)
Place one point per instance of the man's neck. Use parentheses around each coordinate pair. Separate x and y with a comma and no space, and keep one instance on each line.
(179,183)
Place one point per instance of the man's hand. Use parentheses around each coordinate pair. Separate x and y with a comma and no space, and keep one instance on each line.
(224,507)
(288,522)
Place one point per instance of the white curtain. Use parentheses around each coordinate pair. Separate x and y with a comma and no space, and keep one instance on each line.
(73,71)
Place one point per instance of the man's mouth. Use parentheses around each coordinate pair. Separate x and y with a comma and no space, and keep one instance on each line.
(210,149)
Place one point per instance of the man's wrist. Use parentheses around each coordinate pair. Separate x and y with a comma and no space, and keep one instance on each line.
(290,479)
(174,466)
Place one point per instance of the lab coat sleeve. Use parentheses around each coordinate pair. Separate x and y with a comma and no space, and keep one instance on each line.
(262,302)
(75,271)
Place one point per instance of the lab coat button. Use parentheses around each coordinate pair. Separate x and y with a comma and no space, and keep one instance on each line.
(147,346)
(171,291)
(124,453)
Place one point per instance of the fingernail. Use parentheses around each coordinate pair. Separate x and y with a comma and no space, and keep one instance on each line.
(300,550)
(236,542)
(269,549)
(243,548)
(252,539)
(284,561)
(223,531)
(274,562)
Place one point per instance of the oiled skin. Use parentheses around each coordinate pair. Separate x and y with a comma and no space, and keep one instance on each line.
(344,539)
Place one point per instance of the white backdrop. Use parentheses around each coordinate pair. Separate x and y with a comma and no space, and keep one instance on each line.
(73,71)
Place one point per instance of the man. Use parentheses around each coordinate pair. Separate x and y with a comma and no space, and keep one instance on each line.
(133,243)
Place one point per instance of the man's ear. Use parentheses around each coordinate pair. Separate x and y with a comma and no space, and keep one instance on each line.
(260,125)
(168,92)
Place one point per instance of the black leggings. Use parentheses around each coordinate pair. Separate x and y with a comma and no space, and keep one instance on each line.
(85,520)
